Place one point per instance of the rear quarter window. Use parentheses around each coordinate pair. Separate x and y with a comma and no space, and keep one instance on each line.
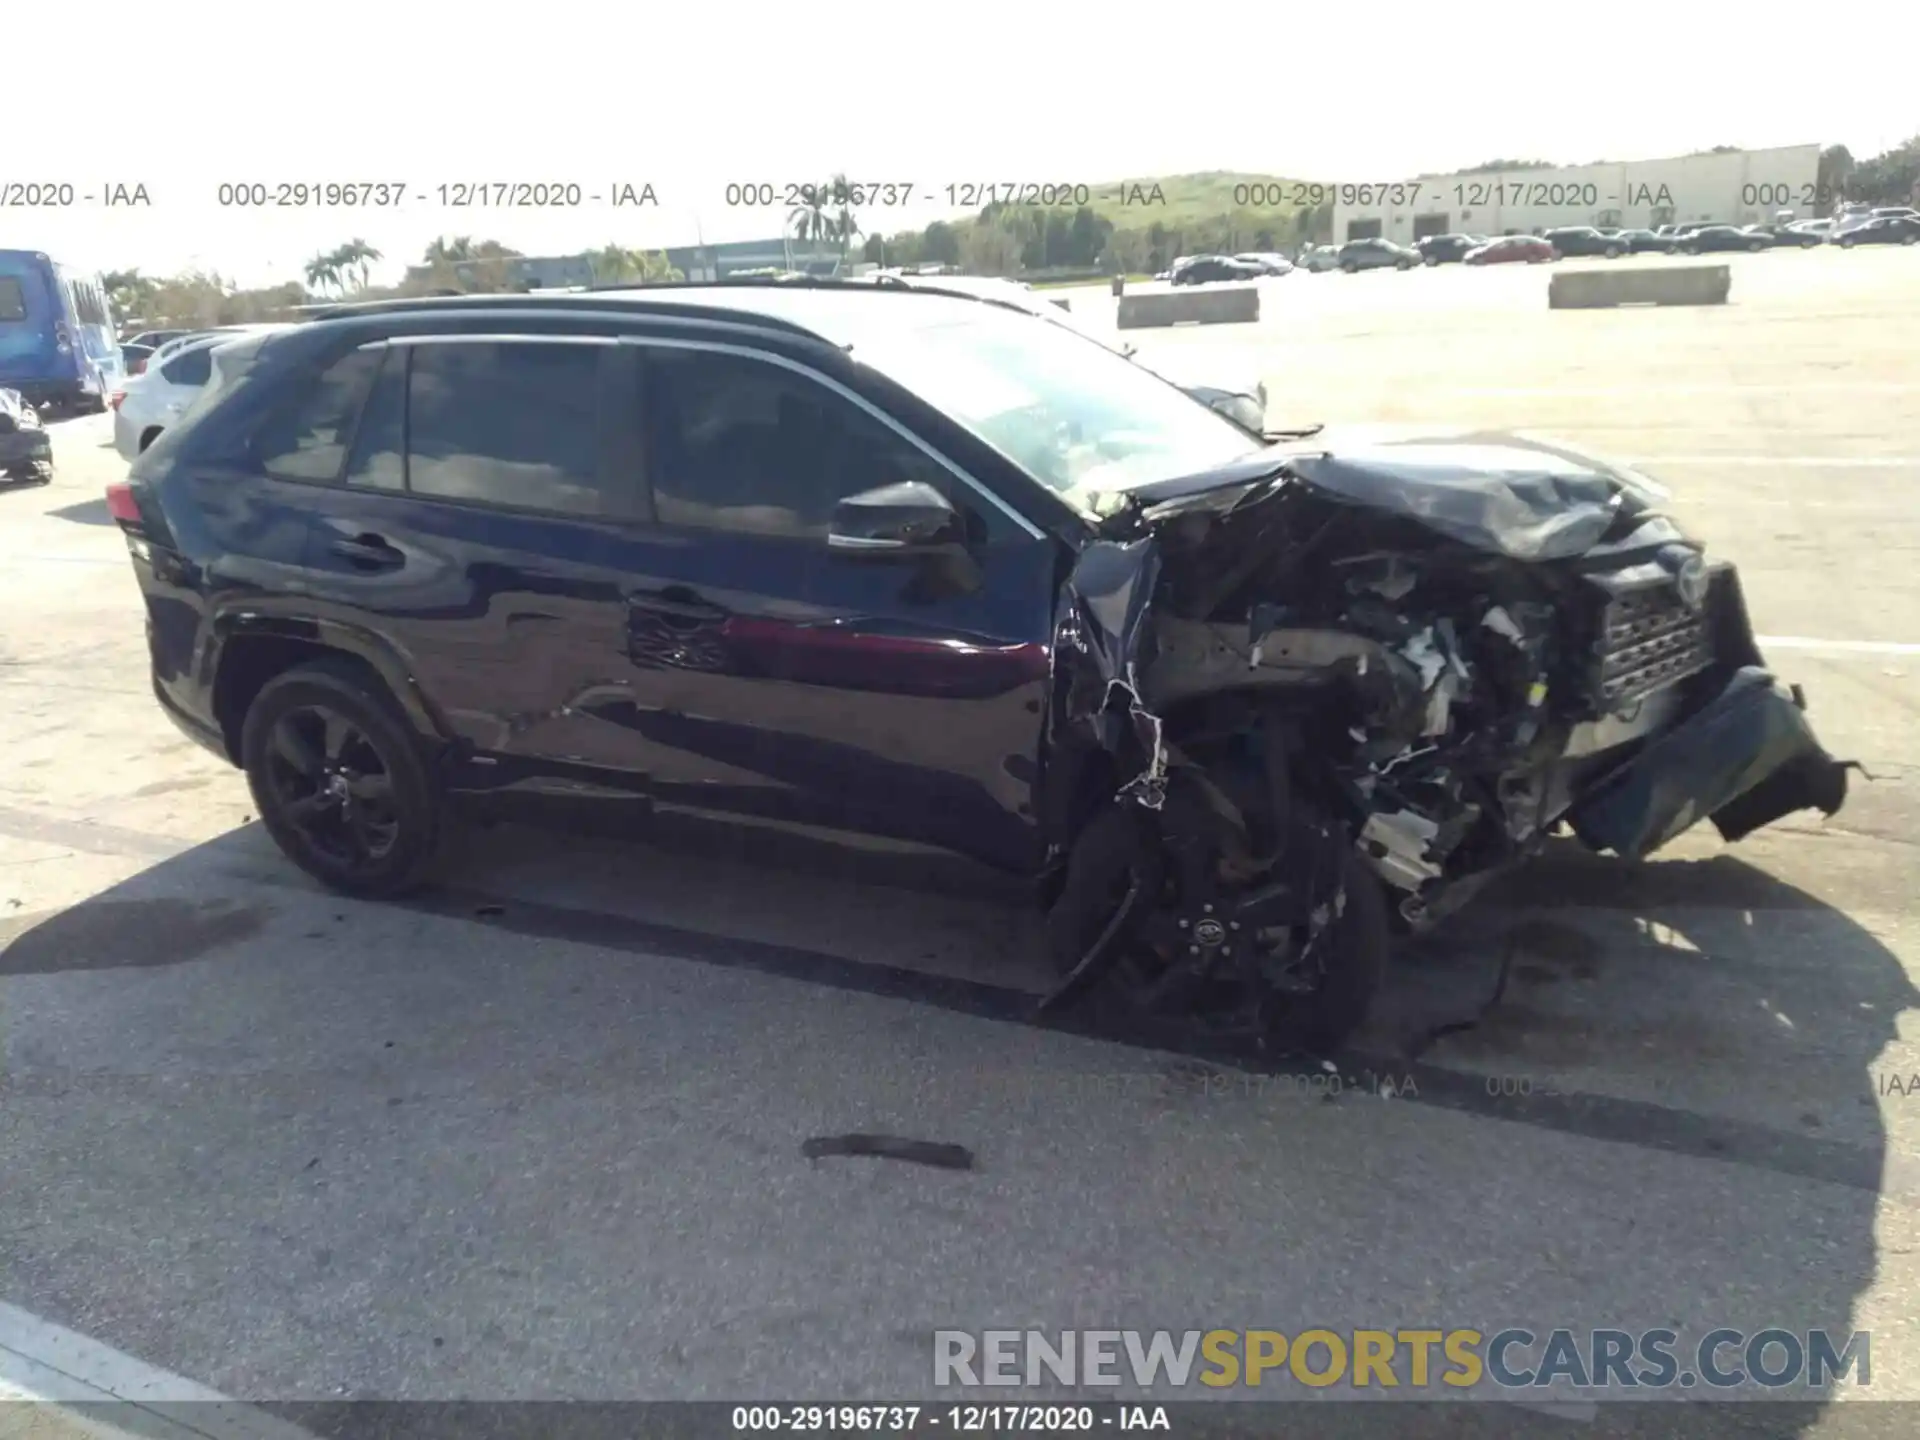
(193,368)
(13,298)
(306,434)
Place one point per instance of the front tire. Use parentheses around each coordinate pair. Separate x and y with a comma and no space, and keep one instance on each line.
(1349,267)
(340,781)
(1112,861)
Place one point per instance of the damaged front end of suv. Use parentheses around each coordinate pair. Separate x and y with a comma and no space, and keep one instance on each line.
(1326,692)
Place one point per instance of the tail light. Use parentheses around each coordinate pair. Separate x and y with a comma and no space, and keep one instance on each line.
(62,338)
(121,505)
(115,398)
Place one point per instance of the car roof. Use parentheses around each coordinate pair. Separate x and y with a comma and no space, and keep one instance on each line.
(833,310)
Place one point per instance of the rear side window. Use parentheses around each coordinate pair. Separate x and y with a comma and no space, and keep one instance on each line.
(508,423)
(193,368)
(13,298)
(306,438)
(379,449)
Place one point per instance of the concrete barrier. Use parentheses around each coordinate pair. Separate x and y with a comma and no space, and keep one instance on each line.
(1198,305)
(1654,285)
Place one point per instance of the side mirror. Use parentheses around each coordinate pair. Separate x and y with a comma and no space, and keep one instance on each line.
(909,518)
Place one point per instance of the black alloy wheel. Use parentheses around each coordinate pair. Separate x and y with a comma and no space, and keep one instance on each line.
(340,781)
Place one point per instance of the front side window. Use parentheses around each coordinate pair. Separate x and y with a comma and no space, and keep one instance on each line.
(1077,417)
(740,444)
(508,423)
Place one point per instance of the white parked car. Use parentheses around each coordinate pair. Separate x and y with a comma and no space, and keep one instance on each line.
(176,373)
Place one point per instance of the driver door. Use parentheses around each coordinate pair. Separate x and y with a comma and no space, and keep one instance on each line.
(770,675)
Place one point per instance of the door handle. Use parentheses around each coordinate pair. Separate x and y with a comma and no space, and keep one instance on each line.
(677,602)
(368,552)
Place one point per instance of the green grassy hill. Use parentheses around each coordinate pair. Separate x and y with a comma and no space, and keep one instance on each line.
(1206,195)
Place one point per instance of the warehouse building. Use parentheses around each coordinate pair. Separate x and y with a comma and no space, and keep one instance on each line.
(1732,187)
(715,262)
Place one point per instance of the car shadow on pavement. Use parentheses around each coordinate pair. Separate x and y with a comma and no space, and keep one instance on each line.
(219,1006)
(84,512)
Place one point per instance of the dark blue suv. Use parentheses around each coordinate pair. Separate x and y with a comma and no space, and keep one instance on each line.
(924,567)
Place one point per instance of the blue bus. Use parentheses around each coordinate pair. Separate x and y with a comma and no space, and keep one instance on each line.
(58,342)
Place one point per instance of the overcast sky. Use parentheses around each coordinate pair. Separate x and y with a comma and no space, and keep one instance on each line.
(690,99)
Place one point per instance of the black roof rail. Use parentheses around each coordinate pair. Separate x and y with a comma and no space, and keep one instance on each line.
(579,300)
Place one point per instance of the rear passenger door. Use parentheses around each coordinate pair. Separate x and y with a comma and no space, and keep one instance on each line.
(473,527)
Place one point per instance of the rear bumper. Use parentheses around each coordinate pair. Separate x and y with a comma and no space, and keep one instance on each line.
(1743,759)
(126,436)
(208,737)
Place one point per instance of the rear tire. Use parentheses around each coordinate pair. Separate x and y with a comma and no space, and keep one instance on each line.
(341,782)
(1349,267)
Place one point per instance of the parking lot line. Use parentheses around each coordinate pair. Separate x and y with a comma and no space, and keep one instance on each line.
(1799,462)
(1839,647)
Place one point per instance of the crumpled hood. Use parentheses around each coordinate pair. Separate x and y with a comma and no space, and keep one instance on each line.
(1527,498)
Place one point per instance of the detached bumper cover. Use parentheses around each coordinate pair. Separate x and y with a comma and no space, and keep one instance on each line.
(1744,759)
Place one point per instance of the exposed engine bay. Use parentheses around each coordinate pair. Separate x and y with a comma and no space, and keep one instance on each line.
(1430,656)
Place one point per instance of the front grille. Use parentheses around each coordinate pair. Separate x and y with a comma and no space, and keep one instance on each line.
(1649,640)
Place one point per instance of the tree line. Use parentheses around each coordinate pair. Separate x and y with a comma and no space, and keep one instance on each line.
(1037,240)
(450,265)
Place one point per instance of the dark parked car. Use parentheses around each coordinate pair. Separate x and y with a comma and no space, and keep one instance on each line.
(1644,242)
(1785,237)
(1205,269)
(920,566)
(1377,253)
(1709,239)
(1512,249)
(1585,240)
(1444,249)
(26,451)
(1882,230)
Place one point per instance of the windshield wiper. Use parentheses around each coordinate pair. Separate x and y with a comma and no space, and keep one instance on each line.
(1307,433)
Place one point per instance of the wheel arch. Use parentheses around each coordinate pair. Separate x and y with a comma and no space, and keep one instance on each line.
(249,650)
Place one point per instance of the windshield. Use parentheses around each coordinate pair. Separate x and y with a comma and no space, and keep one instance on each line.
(1079,418)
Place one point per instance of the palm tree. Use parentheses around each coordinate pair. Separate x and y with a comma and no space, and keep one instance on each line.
(323,272)
(356,256)
(845,227)
(810,219)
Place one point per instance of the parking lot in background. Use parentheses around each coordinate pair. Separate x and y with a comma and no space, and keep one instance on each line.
(538,1134)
